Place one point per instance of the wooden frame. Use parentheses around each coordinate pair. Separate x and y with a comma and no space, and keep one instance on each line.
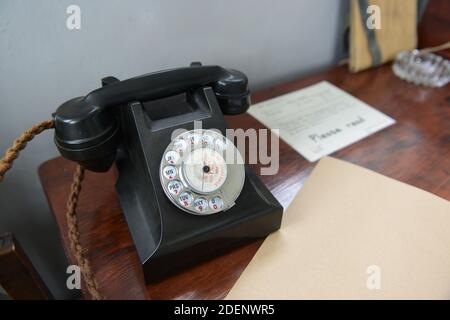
(18,277)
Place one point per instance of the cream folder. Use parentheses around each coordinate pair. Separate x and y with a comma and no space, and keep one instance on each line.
(354,234)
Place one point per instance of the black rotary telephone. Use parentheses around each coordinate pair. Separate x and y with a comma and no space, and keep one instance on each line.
(184,201)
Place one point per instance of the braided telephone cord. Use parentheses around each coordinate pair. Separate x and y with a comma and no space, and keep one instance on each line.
(72,223)
(13,152)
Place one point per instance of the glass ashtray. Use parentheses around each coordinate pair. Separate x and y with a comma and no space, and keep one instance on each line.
(426,69)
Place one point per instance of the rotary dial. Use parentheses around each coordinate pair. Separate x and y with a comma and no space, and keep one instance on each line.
(196,175)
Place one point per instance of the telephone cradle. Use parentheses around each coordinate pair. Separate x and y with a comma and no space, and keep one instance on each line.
(183,200)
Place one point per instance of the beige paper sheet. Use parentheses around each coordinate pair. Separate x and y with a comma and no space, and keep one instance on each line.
(354,234)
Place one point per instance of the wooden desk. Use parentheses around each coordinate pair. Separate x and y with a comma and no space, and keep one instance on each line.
(416,150)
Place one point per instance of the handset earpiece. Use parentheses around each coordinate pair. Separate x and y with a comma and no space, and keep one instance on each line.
(86,134)
(232,92)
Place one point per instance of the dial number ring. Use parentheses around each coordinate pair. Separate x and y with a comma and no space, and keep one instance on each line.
(198,179)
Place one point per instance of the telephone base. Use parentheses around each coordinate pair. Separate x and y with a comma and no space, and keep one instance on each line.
(214,235)
(167,238)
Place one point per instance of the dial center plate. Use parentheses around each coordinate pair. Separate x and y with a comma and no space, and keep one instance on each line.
(205,170)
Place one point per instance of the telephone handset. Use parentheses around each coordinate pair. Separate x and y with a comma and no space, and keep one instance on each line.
(183,199)
(87,132)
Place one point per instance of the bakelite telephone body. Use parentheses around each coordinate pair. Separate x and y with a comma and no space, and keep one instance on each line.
(182,201)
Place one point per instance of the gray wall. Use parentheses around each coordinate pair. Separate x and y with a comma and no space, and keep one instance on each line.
(42,64)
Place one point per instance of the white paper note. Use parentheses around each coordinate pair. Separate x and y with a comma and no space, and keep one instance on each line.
(319,120)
